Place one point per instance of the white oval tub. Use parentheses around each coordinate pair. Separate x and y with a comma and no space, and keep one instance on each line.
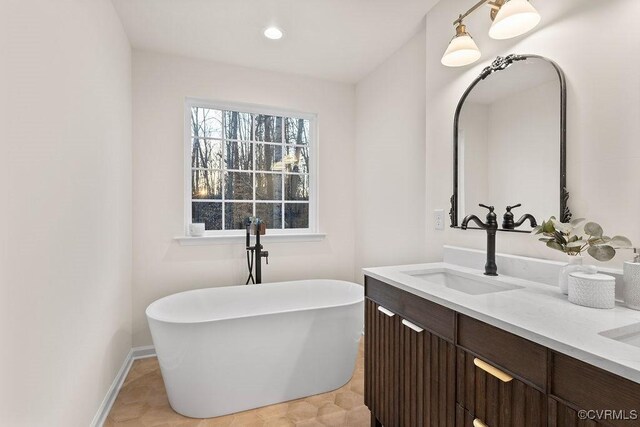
(229,349)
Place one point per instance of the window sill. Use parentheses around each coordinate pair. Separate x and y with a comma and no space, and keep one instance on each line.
(267,238)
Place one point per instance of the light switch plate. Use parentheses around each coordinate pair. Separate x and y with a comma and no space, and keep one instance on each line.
(438,219)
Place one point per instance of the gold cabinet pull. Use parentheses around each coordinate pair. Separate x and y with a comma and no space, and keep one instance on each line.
(389,313)
(413,326)
(478,423)
(502,376)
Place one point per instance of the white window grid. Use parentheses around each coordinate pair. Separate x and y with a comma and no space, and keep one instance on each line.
(253,143)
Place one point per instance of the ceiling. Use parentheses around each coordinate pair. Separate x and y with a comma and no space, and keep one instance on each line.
(338,40)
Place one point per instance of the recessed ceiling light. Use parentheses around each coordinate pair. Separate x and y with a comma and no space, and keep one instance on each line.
(273,33)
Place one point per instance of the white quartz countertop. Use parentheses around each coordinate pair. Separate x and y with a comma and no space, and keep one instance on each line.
(538,312)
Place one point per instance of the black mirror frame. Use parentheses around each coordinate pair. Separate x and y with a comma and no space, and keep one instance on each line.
(499,64)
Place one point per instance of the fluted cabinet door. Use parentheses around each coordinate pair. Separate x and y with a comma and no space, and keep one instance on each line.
(369,340)
(382,365)
(463,417)
(413,378)
(438,390)
(495,402)
(410,373)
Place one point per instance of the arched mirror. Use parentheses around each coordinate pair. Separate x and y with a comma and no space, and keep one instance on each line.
(510,142)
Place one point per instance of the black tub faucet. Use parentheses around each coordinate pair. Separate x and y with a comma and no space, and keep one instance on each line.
(255,253)
(491,226)
(509,224)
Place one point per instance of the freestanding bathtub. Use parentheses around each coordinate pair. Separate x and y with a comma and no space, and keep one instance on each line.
(229,349)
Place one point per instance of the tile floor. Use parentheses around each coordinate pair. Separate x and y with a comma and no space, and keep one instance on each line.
(142,401)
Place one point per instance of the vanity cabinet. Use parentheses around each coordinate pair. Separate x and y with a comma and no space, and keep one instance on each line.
(501,378)
(562,415)
(576,385)
(409,369)
(494,397)
(427,365)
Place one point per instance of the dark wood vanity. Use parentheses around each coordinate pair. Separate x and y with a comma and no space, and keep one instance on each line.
(427,365)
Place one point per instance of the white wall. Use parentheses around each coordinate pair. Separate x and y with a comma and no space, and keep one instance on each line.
(390,155)
(160,265)
(596,43)
(65,136)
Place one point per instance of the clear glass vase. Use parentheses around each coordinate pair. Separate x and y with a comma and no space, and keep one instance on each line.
(574,264)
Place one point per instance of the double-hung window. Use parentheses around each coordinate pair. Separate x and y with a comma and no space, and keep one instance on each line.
(250,162)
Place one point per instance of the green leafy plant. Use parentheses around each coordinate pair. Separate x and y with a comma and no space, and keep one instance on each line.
(573,238)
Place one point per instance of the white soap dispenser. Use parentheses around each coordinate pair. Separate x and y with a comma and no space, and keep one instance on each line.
(631,291)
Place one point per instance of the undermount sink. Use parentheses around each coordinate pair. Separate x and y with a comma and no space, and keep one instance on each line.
(463,282)
(629,334)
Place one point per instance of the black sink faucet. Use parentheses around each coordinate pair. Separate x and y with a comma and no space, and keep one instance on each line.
(509,224)
(490,268)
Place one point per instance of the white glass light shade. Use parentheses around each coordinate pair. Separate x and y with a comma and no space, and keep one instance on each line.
(514,18)
(461,51)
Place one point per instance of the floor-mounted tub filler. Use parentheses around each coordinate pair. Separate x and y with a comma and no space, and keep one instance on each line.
(229,349)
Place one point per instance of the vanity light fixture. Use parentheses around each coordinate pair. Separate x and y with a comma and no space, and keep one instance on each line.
(510,18)
(462,49)
(273,33)
(514,18)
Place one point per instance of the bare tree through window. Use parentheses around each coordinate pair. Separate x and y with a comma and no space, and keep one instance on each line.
(245,164)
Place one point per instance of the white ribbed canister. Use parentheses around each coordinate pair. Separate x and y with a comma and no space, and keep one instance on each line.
(592,290)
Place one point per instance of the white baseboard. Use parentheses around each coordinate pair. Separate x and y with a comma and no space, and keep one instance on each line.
(108,401)
(112,393)
(143,352)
